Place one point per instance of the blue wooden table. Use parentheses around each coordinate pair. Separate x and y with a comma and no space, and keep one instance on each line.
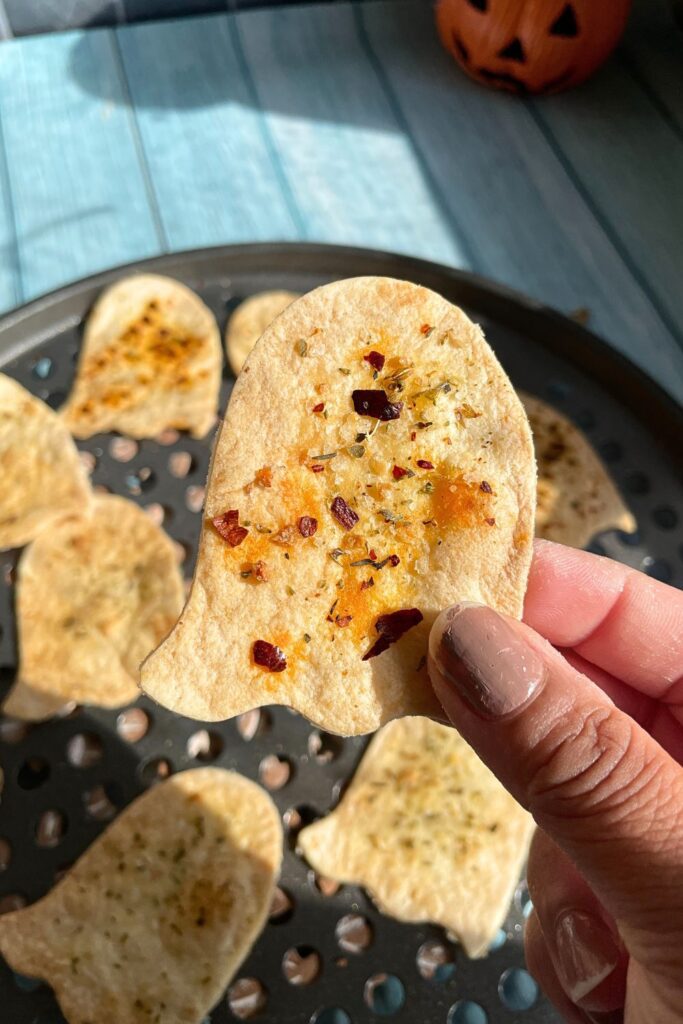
(349,123)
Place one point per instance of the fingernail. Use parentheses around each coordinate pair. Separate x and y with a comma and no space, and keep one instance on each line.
(585,953)
(485,659)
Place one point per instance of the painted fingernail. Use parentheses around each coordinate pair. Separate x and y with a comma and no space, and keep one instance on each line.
(482,656)
(585,953)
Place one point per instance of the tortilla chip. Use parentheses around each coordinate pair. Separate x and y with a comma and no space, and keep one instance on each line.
(151,359)
(42,476)
(576,496)
(249,321)
(95,595)
(429,831)
(155,918)
(444,496)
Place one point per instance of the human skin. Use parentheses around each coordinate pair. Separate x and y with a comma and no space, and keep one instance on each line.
(579,712)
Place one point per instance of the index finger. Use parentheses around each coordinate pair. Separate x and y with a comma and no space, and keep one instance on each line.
(616,618)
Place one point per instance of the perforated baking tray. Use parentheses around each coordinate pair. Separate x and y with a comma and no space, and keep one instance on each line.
(64,780)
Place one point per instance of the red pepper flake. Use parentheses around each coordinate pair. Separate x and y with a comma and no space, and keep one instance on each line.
(398,472)
(491,521)
(375,403)
(366,584)
(391,628)
(343,514)
(372,554)
(485,487)
(269,656)
(376,360)
(426,329)
(227,526)
(425,464)
(260,571)
(307,526)
(393,560)
(343,620)
(318,469)
(286,536)
(319,407)
(413,436)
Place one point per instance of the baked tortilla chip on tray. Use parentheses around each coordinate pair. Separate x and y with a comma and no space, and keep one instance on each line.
(249,321)
(429,831)
(95,594)
(374,466)
(151,359)
(42,476)
(156,917)
(576,496)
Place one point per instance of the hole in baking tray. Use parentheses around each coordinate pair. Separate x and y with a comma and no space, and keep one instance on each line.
(99,802)
(517,989)
(12,901)
(12,730)
(523,900)
(610,451)
(331,1015)
(141,480)
(5,854)
(274,771)
(50,829)
(204,745)
(84,749)
(435,961)
(665,517)
(467,1012)
(296,818)
(168,436)
(657,568)
(301,965)
(325,886)
(42,368)
(33,773)
(156,512)
(281,907)
(194,498)
(253,723)
(155,770)
(384,994)
(498,940)
(180,464)
(132,724)
(324,747)
(637,483)
(123,449)
(247,997)
(88,461)
(353,933)
(26,984)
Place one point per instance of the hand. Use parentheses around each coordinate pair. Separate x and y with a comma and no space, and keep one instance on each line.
(579,712)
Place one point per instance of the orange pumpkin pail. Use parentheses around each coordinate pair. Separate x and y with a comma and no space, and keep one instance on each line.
(531,46)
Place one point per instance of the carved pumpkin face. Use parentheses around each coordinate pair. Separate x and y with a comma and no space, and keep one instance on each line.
(531,45)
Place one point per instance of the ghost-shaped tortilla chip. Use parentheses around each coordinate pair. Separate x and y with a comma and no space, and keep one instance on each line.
(428,830)
(151,359)
(374,466)
(249,321)
(155,918)
(95,594)
(42,475)
(577,498)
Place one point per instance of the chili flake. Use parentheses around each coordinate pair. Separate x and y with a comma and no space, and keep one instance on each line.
(491,521)
(307,526)
(286,536)
(366,584)
(269,656)
(258,570)
(426,329)
(485,487)
(344,515)
(376,360)
(343,620)
(319,407)
(375,403)
(398,472)
(317,469)
(391,628)
(425,464)
(227,526)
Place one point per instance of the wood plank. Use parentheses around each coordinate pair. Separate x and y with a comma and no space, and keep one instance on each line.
(10,280)
(354,174)
(77,186)
(523,217)
(206,143)
(653,50)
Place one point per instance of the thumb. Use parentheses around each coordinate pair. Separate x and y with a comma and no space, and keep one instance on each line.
(595,782)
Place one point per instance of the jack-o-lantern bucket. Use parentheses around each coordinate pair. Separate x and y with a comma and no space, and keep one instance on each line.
(531,46)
